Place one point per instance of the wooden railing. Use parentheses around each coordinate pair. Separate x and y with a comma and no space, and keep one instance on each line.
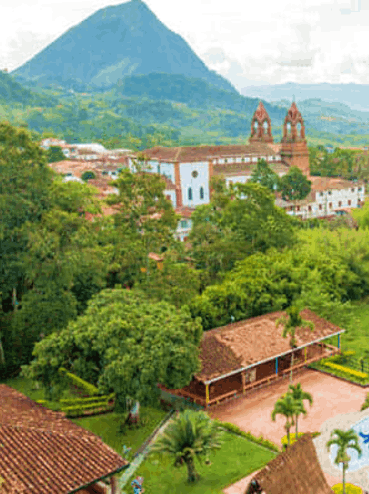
(330,350)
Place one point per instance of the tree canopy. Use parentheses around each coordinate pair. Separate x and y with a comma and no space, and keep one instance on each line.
(123,343)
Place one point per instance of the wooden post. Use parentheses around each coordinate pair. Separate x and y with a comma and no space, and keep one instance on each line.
(207,395)
(243,375)
(305,353)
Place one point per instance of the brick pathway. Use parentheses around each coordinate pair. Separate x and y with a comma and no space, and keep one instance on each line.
(252,412)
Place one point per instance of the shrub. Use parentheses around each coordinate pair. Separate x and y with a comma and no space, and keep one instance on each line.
(345,370)
(80,383)
(293,437)
(350,489)
(88,175)
(258,440)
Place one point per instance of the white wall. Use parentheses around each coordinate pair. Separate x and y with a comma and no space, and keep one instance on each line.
(195,183)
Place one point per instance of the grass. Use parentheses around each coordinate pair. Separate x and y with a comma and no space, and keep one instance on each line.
(236,459)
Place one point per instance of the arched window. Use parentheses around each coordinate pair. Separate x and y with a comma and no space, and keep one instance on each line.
(201,192)
(265,125)
(288,128)
(256,124)
(190,194)
(299,130)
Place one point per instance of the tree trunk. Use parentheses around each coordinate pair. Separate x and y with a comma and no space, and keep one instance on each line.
(288,435)
(191,471)
(343,479)
(297,434)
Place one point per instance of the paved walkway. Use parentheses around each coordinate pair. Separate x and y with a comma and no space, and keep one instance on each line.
(331,397)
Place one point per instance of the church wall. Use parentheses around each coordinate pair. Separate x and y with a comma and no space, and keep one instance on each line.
(188,181)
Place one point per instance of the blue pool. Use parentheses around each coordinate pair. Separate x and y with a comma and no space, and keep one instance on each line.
(362,430)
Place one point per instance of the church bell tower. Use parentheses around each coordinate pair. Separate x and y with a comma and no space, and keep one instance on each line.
(261,126)
(294,150)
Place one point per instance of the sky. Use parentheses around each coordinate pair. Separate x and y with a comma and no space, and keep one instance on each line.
(250,42)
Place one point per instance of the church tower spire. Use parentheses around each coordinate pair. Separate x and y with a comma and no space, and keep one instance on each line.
(261,126)
(294,149)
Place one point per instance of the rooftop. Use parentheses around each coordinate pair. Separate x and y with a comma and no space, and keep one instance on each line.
(253,340)
(45,453)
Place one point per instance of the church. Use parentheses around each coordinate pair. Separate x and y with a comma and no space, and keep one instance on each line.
(188,170)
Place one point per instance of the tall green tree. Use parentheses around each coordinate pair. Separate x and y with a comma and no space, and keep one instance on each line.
(299,395)
(192,435)
(291,322)
(344,440)
(288,407)
(265,176)
(125,344)
(294,186)
(55,154)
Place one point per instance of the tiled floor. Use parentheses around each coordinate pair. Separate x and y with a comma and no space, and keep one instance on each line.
(253,412)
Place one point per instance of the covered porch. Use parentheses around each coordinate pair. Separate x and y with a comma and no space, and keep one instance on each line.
(211,392)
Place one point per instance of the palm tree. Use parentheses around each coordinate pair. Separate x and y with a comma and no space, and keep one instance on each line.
(290,323)
(344,441)
(299,395)
(288,407)
(190,435)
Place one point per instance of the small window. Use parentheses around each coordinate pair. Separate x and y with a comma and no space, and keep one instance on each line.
(330,192)
(320,206)
(352,190)
(330,205)
(255,159)
(359,189)
(201,192)
(247,160)
(190,194)
(243,159)
(349,202)
(339,204)
(298,208)
(195,174)
(225,161)
(309,208)
(321,194)
(184,224)
(168,197)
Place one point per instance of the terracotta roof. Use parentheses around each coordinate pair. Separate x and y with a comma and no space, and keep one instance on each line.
(295,471)
(42,452)
(325,183)
(253,340)
(260,112)
(235,169)
(155,257)
(198,153)
(169,185)
(185,212)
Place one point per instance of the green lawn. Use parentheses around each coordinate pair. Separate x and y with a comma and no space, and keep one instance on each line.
(236,459)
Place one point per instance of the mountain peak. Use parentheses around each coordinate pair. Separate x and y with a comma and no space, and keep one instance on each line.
(115,42)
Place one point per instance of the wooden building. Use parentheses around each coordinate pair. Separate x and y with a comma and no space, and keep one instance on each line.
(241,356)
(295,471)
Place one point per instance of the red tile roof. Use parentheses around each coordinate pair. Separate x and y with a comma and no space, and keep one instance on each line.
(325,183)
(42,452)
(198,153)
(253,340)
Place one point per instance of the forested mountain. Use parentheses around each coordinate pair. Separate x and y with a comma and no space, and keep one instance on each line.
(112,43)
(13,92)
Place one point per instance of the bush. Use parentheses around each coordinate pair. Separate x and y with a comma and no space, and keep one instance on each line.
(293,437)
(80,383)
(88,175)
(350,489)
(345,370)
(258,440)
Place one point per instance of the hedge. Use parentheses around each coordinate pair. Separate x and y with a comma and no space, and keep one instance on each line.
(80,383)
(258,440)
(80,409)
(346,370)
(76,401)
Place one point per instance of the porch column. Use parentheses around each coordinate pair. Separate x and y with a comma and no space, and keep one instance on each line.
(114,485)
(207,394)
(276,365)
(243,380)
(338,338)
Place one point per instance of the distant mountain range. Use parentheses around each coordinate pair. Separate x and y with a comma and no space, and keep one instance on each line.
(356,96)
(112,43)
